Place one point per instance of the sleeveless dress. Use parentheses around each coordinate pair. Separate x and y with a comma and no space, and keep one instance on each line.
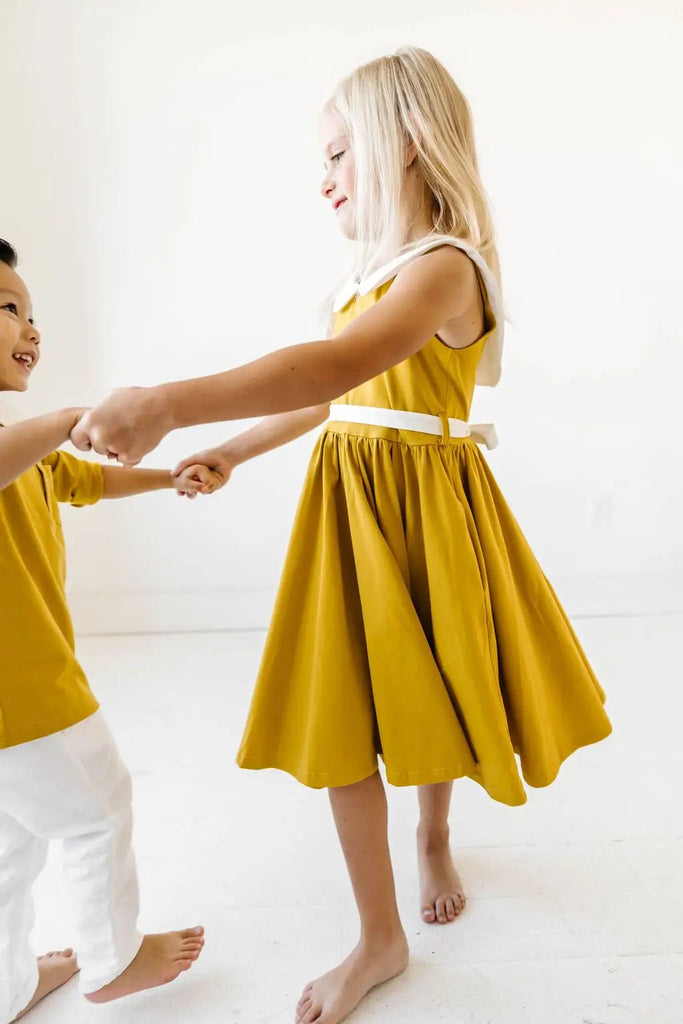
(412,620)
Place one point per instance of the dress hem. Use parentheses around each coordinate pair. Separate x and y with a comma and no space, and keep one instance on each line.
(424,777)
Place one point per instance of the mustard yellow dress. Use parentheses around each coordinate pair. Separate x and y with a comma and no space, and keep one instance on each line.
(412,620)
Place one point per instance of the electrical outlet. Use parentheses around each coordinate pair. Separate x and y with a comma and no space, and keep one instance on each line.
(601,511)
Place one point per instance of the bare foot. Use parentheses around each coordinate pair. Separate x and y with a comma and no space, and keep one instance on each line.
(160,959)
(54,970)
(330,999)
(441,891)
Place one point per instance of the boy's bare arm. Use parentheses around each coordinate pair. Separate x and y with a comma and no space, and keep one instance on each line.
(24,444)
(124,483)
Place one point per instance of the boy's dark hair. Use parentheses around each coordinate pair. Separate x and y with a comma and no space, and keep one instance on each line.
(8,254)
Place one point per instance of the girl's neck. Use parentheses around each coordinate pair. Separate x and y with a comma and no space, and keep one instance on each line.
(416,222)
(418,208)
(418,231)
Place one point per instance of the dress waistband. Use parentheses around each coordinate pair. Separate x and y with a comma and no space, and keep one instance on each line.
(423,423)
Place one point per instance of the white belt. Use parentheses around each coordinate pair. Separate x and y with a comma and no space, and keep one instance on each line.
(423,423)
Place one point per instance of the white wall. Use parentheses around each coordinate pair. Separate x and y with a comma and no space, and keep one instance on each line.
(159,175)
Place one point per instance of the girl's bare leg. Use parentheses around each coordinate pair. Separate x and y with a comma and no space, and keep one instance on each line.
(360,814)
(441,891)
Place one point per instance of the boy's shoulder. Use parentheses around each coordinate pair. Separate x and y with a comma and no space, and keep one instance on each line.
(75,481)
(60,477)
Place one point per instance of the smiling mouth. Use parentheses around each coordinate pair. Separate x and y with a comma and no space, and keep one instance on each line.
(25,360)
(340,202)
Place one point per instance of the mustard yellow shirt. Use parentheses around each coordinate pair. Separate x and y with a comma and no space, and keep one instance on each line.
(43,689)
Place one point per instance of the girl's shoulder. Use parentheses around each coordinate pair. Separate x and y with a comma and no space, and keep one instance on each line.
(489,368)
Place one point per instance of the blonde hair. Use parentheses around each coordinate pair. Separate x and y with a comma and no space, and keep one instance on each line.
(387,105)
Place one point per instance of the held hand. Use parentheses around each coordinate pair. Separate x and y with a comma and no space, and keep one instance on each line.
(127,425)
(211,469)
(78,413)
(197,479)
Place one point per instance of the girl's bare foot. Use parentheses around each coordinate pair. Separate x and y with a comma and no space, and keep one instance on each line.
(441,891)
(160,959)
(330,999)
(54,970)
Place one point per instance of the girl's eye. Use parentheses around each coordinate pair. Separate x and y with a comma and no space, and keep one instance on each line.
(336,157)
(12,307)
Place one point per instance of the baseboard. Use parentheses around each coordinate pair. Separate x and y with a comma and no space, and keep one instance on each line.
(181,611)
(250,608)
(620,594)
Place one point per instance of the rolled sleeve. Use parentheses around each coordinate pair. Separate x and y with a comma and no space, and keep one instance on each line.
(76,481)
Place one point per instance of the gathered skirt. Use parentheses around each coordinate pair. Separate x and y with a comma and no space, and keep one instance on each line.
(413,623)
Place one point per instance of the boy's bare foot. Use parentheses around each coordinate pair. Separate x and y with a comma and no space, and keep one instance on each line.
(54,970)
(330,999)
(160,959)
(441,891)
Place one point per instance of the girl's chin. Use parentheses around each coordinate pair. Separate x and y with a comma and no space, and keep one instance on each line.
(348,231)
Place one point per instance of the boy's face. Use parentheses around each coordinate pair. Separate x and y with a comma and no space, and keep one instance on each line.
(19,338)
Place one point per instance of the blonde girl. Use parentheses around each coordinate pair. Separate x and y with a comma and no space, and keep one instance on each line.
(412,622)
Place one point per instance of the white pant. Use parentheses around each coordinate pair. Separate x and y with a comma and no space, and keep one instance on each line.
(71,786)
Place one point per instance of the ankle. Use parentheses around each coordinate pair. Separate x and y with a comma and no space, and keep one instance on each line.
(377,938)
(433,835)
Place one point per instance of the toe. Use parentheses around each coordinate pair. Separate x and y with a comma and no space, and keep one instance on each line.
(303,1009)
(450,909)
(428,913)
(306,996)
(441,911)
(312,1014)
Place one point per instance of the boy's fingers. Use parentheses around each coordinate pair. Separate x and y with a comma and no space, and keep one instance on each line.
(191,483)
(185,464)
(194,486)
(196,474)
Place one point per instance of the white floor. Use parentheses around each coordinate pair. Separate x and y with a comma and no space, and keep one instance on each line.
(576,900)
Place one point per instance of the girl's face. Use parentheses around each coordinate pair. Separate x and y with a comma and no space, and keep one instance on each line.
(339,181)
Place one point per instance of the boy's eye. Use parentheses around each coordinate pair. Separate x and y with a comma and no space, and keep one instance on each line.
(12,307)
